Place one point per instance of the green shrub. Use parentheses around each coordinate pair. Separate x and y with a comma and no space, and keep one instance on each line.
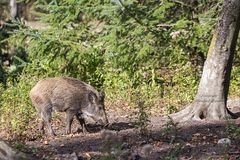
(234,89)
(16,110)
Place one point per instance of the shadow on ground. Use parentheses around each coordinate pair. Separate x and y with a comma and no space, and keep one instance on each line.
(116,126)
(196,140)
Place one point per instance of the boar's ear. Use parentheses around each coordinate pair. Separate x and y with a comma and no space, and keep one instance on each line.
(92,97)
(102,95)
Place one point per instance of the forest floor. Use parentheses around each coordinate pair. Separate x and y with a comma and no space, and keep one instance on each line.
(164,139)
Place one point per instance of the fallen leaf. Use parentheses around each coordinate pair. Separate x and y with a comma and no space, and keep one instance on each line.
(88,155)
(46,142)
(196,134)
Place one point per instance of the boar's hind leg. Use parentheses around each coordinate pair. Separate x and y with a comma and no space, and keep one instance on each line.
(41,121)
(46,116)
(82,123)
(41,125)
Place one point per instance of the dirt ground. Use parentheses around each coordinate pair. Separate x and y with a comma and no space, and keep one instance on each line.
(122,140)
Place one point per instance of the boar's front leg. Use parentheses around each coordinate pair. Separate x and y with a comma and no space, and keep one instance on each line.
(81,121)
(46,115)
(69,119)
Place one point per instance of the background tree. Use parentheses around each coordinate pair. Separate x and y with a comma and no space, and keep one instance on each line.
(13,8)
(211,99)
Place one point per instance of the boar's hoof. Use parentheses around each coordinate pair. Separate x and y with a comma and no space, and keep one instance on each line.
(85,131)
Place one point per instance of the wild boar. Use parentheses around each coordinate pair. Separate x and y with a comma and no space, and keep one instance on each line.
(65,94)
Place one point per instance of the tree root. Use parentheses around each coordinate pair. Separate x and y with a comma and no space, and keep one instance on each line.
(204,111)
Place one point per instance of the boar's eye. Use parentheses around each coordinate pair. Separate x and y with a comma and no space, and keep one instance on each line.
(92,97)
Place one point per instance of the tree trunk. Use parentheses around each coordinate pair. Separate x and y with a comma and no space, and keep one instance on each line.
(13,8)
(211,99)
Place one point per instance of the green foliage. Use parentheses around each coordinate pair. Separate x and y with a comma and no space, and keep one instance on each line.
(171,130)
(232,130)
(235,82)
(16,110)
(142,120)
(12,58)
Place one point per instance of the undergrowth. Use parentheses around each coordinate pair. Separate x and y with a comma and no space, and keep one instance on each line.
(16,110)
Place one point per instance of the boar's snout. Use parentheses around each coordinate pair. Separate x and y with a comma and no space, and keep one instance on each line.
(101,119)
(97,108)
(104,121)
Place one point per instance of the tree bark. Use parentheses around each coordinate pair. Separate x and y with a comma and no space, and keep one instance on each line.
(211,99)
(13,8)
